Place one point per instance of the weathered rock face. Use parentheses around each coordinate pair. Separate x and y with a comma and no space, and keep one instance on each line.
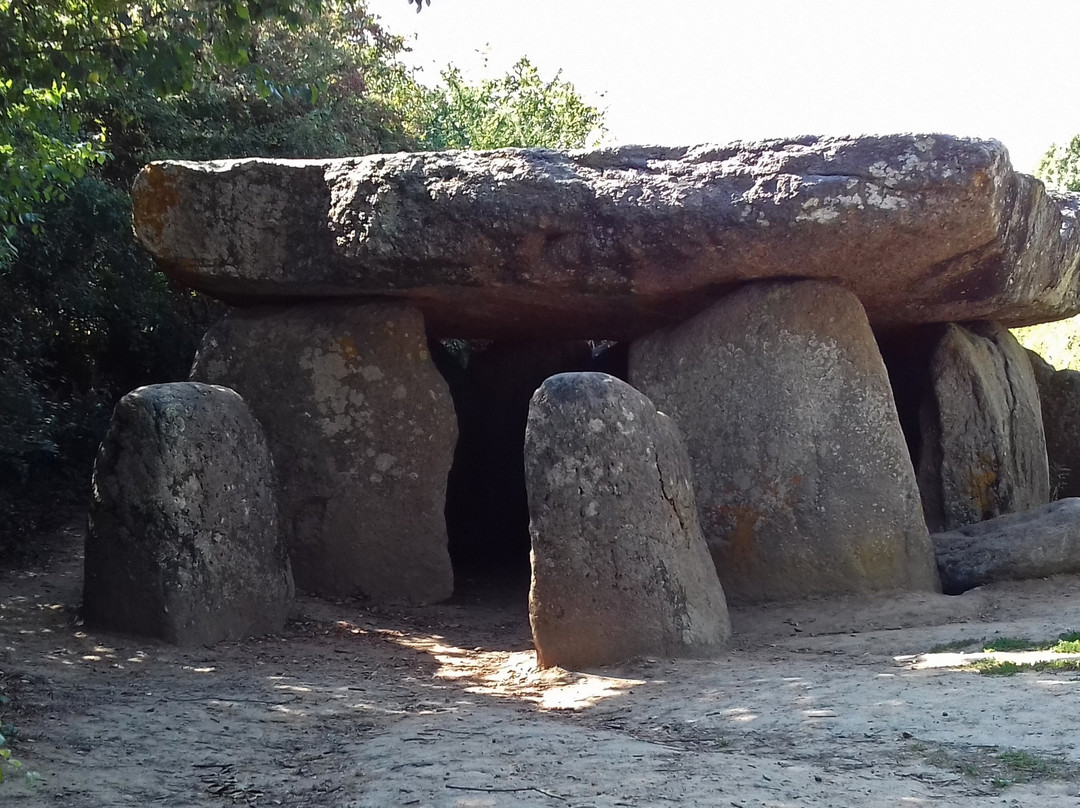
(487,511)
(983,446)
(184,542)
(803,479)
(1032,544)
(613,243)
(620,568)
(1059,396)
(362,430)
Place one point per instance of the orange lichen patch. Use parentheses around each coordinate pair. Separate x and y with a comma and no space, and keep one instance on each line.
(981,486)
(348,348)
(741,550)
(153,198)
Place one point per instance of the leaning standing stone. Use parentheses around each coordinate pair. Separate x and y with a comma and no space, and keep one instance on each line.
(983,445)
(619,566)
(803,479)
(184,541)
(1059,395)
(362,430)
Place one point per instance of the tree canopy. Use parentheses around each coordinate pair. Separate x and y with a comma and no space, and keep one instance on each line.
(90,90)
(1060,166)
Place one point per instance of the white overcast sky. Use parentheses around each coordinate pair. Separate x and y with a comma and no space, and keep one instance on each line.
(676,72)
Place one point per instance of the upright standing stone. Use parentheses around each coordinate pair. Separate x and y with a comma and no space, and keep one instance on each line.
(184,542)
(362,430)
(1059,395)
(983,446)
(620,568)
(804,482)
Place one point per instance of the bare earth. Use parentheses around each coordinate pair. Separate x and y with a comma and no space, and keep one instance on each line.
(816,704)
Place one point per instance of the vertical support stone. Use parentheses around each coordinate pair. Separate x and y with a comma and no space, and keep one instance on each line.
(619,565)
(983,445)
(362,429)
(804,482)
(184,541)
(1059,395)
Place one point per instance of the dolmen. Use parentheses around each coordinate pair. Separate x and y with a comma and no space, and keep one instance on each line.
(816,326)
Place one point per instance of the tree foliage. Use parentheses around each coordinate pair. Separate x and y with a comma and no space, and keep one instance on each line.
(90,90)
(518,109)
(1060,167)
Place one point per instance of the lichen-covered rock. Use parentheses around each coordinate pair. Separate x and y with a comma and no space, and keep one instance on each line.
(362,430)
(803,479)
(983,446)
(616,242)
(1059,396)
(184,542)
(1031,544)
(620,568)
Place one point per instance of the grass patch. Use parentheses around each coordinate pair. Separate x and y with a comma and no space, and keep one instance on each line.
(1011,644)
(995,667)
(994,766)
(1029,764)
(1004,667)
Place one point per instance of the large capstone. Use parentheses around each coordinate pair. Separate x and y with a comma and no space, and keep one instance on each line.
(1059,396)
(362,430)
(803,479)
(1031,544)
(184,542)
(620,568)
(616,242)
(983,447)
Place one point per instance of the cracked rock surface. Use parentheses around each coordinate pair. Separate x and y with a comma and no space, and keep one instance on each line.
(619,566)
(803,479)
(616,242)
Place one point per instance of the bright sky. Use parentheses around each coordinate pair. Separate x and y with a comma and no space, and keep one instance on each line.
(676,72)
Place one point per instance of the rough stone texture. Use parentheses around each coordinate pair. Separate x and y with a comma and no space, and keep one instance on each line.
(1059,396)
(487,511)
(615,242)
(620,568)
(362,430)
(1032,544)
(983,447)
(803,480)
(184,542)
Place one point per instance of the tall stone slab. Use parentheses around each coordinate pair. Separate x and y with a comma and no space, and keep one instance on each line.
(804,483)
(983,445)
(1059,395)
(184,541)
(362,430)
(619,565)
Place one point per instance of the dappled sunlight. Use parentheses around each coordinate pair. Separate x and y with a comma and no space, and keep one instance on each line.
(739,715)
(965,662)
(513,674)
(505,674)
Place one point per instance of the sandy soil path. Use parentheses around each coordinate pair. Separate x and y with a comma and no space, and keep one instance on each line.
(816,704)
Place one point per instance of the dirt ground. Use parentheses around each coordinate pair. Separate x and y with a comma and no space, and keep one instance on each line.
(824,703)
